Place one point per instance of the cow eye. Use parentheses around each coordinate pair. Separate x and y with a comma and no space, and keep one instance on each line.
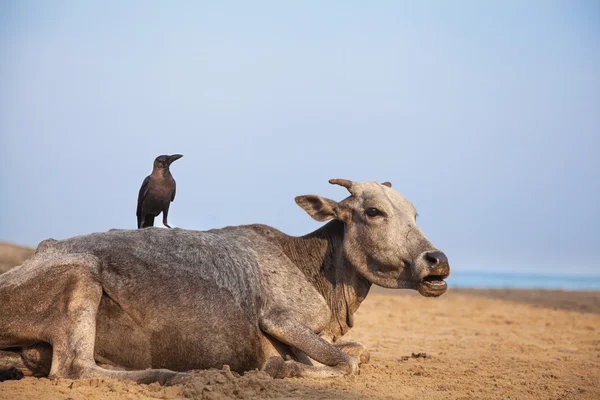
(372,212)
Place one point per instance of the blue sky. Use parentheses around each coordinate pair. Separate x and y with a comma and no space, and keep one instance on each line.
(486,115)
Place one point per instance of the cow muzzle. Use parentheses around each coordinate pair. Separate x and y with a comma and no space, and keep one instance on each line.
(435,265)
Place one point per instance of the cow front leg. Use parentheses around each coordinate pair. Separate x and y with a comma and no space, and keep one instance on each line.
(284,329)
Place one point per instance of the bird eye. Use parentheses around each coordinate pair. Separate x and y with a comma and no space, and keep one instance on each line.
(372,212)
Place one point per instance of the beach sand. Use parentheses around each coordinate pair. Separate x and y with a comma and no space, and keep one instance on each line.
(479,344)
(12,255)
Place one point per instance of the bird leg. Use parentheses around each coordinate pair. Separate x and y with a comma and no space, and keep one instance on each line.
(165,214)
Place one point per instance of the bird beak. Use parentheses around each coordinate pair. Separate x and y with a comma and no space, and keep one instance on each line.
(174,157)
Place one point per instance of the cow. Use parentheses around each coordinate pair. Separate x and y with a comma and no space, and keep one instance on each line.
(148,305)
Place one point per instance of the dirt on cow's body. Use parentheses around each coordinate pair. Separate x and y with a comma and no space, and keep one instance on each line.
(463,345)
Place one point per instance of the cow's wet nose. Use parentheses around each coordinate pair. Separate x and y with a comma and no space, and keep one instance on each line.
(437,262)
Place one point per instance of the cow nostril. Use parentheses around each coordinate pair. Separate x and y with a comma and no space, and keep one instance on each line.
(435,258)
(431,259)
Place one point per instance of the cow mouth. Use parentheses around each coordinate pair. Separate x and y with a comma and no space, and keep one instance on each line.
(433,286)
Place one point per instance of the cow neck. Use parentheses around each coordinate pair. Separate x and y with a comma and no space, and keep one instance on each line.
(320,256)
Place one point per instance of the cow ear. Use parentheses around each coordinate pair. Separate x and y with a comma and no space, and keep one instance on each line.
(318,207)
(388,184)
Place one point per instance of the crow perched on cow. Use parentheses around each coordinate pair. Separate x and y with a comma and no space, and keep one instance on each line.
(157,192)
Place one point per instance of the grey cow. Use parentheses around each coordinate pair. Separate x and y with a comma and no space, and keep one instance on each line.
(143,304)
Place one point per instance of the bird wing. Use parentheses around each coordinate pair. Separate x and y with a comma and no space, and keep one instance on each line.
(142,195)
(174,190)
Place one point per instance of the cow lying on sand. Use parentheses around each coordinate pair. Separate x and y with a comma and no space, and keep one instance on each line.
(142,304)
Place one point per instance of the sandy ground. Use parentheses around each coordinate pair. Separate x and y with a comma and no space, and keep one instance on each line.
(480,344)
(12,255)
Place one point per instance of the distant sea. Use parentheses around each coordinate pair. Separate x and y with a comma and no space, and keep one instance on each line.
(487,279)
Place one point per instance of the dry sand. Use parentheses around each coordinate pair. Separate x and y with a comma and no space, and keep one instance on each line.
(12,255)
(479,344)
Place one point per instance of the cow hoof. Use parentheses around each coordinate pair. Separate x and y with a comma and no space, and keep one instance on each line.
(356,350)
(364,357)
(278,368)
(353,368)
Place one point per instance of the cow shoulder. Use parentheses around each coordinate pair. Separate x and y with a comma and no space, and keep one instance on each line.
(288,290)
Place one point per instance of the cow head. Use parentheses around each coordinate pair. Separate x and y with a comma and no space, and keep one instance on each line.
(382,240)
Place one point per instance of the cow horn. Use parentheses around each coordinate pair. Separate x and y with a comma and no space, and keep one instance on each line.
(342,182)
